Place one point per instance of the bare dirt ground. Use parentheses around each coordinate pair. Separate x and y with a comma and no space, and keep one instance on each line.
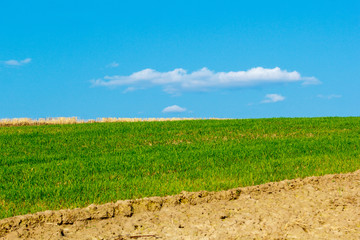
(325,207)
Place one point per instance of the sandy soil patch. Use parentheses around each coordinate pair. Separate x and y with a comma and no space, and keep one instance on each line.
(325,207)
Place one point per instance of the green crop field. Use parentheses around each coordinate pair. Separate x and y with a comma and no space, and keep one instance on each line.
(67,166)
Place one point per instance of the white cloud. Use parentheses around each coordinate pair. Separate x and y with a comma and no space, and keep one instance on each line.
(331,96)
(173,109)
(204,79)
(112,65)
(129,89)
(26,60)
(272,98)
(16,62)
(310,81)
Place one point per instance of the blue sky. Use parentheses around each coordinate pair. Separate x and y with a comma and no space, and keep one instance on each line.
(228,59)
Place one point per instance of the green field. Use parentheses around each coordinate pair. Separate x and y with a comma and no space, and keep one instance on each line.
(67,166)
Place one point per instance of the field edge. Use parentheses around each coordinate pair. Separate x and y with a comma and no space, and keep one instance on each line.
(127,208)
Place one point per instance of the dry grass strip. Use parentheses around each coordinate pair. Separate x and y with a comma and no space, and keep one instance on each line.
(74,120)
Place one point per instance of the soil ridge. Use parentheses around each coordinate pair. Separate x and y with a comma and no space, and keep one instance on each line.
(127,208)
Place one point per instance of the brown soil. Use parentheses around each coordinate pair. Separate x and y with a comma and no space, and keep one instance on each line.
(325,207)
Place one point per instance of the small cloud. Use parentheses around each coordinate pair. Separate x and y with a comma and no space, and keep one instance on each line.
(310,81)
(272,98)
(180,80)
(26,60)
(16,62)
(173,109)
(112,65)
(129,89)
(331,96)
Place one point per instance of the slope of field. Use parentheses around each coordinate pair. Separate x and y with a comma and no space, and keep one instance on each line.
(68,166)
(326,207)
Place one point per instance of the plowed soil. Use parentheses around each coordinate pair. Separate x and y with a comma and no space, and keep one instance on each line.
(326,207)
